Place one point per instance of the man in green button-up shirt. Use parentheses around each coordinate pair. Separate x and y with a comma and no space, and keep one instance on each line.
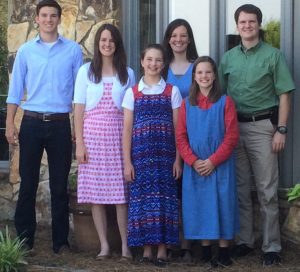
(256,76)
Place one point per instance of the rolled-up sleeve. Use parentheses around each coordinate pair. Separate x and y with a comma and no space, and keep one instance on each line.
(128,100)
(176,98)
(18,79)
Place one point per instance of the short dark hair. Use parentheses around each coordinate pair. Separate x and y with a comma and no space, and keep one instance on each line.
(48,3)
(248,8)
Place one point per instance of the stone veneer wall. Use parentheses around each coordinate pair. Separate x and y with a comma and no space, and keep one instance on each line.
(80,21)
(5,187)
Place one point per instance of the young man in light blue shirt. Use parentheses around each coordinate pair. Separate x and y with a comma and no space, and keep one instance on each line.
(45,68)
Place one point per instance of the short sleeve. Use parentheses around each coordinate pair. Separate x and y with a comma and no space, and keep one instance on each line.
(81,85)
(128,100)
(282,77)
(176,98)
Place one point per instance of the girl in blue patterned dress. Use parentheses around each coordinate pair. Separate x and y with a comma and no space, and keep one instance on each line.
(151,161)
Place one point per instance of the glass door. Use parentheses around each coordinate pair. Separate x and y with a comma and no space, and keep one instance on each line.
(142,24)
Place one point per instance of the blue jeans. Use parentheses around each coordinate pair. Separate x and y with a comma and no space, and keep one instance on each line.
(35,137)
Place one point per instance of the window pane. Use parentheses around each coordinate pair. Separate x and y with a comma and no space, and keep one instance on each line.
(147,28)
(147,22)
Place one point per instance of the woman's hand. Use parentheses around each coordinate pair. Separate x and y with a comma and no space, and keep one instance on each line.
(203,167)
(177,169)
(129,173)
(81,153)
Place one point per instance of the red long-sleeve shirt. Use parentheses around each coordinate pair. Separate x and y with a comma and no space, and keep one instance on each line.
(230,138)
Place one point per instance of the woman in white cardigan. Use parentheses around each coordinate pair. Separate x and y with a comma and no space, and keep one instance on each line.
(98,117)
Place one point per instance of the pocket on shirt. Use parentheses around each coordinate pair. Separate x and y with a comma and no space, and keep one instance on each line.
(260,76)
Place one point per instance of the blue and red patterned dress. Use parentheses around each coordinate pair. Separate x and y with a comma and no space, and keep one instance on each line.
(153,202)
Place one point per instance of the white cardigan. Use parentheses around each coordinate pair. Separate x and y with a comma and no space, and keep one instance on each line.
(90,93)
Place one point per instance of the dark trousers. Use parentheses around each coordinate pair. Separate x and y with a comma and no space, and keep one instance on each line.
(35,137)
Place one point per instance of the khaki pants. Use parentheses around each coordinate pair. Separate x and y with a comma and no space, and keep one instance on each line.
(255,157)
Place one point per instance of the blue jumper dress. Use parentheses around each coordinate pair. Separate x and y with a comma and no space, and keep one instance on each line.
(210,208)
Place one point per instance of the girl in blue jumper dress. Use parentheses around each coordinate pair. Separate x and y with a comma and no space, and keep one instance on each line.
(207,134)
(151,162)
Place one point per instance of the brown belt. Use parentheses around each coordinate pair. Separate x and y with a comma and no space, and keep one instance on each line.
(47,116)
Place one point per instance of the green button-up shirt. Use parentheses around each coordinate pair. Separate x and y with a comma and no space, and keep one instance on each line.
(254,78)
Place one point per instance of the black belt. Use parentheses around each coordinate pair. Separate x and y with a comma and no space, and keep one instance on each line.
(47,116)
(254,117)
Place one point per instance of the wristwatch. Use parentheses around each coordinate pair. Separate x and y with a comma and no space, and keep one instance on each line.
(282,129)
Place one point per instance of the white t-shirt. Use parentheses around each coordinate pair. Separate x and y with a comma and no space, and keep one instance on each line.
(128,101)
(90,93)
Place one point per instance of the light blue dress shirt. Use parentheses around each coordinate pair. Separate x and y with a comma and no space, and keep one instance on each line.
(46,74)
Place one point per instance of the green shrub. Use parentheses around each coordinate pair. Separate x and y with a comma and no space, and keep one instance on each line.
(272,33)
(294,192)
(12,252)
(73,182)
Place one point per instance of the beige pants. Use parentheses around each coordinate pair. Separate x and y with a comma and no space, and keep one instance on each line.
(255,157)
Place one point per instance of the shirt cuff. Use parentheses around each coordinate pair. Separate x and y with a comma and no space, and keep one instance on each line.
(214,160)
(191,160)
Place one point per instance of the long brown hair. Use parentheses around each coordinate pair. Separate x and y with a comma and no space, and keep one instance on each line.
(215,93)
(191,51)
(119,58)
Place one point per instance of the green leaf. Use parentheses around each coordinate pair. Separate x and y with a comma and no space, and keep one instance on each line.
(294,192)
(12,252)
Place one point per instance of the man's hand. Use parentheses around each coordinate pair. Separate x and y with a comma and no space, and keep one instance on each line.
(278,142)
(12,134)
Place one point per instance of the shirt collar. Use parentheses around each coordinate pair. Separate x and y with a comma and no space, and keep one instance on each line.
(60,38)
(142,85)
(254,48)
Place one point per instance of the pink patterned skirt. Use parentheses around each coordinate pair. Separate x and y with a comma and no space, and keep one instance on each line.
(101,180)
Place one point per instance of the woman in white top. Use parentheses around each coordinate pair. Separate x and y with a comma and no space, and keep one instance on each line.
(98,117)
